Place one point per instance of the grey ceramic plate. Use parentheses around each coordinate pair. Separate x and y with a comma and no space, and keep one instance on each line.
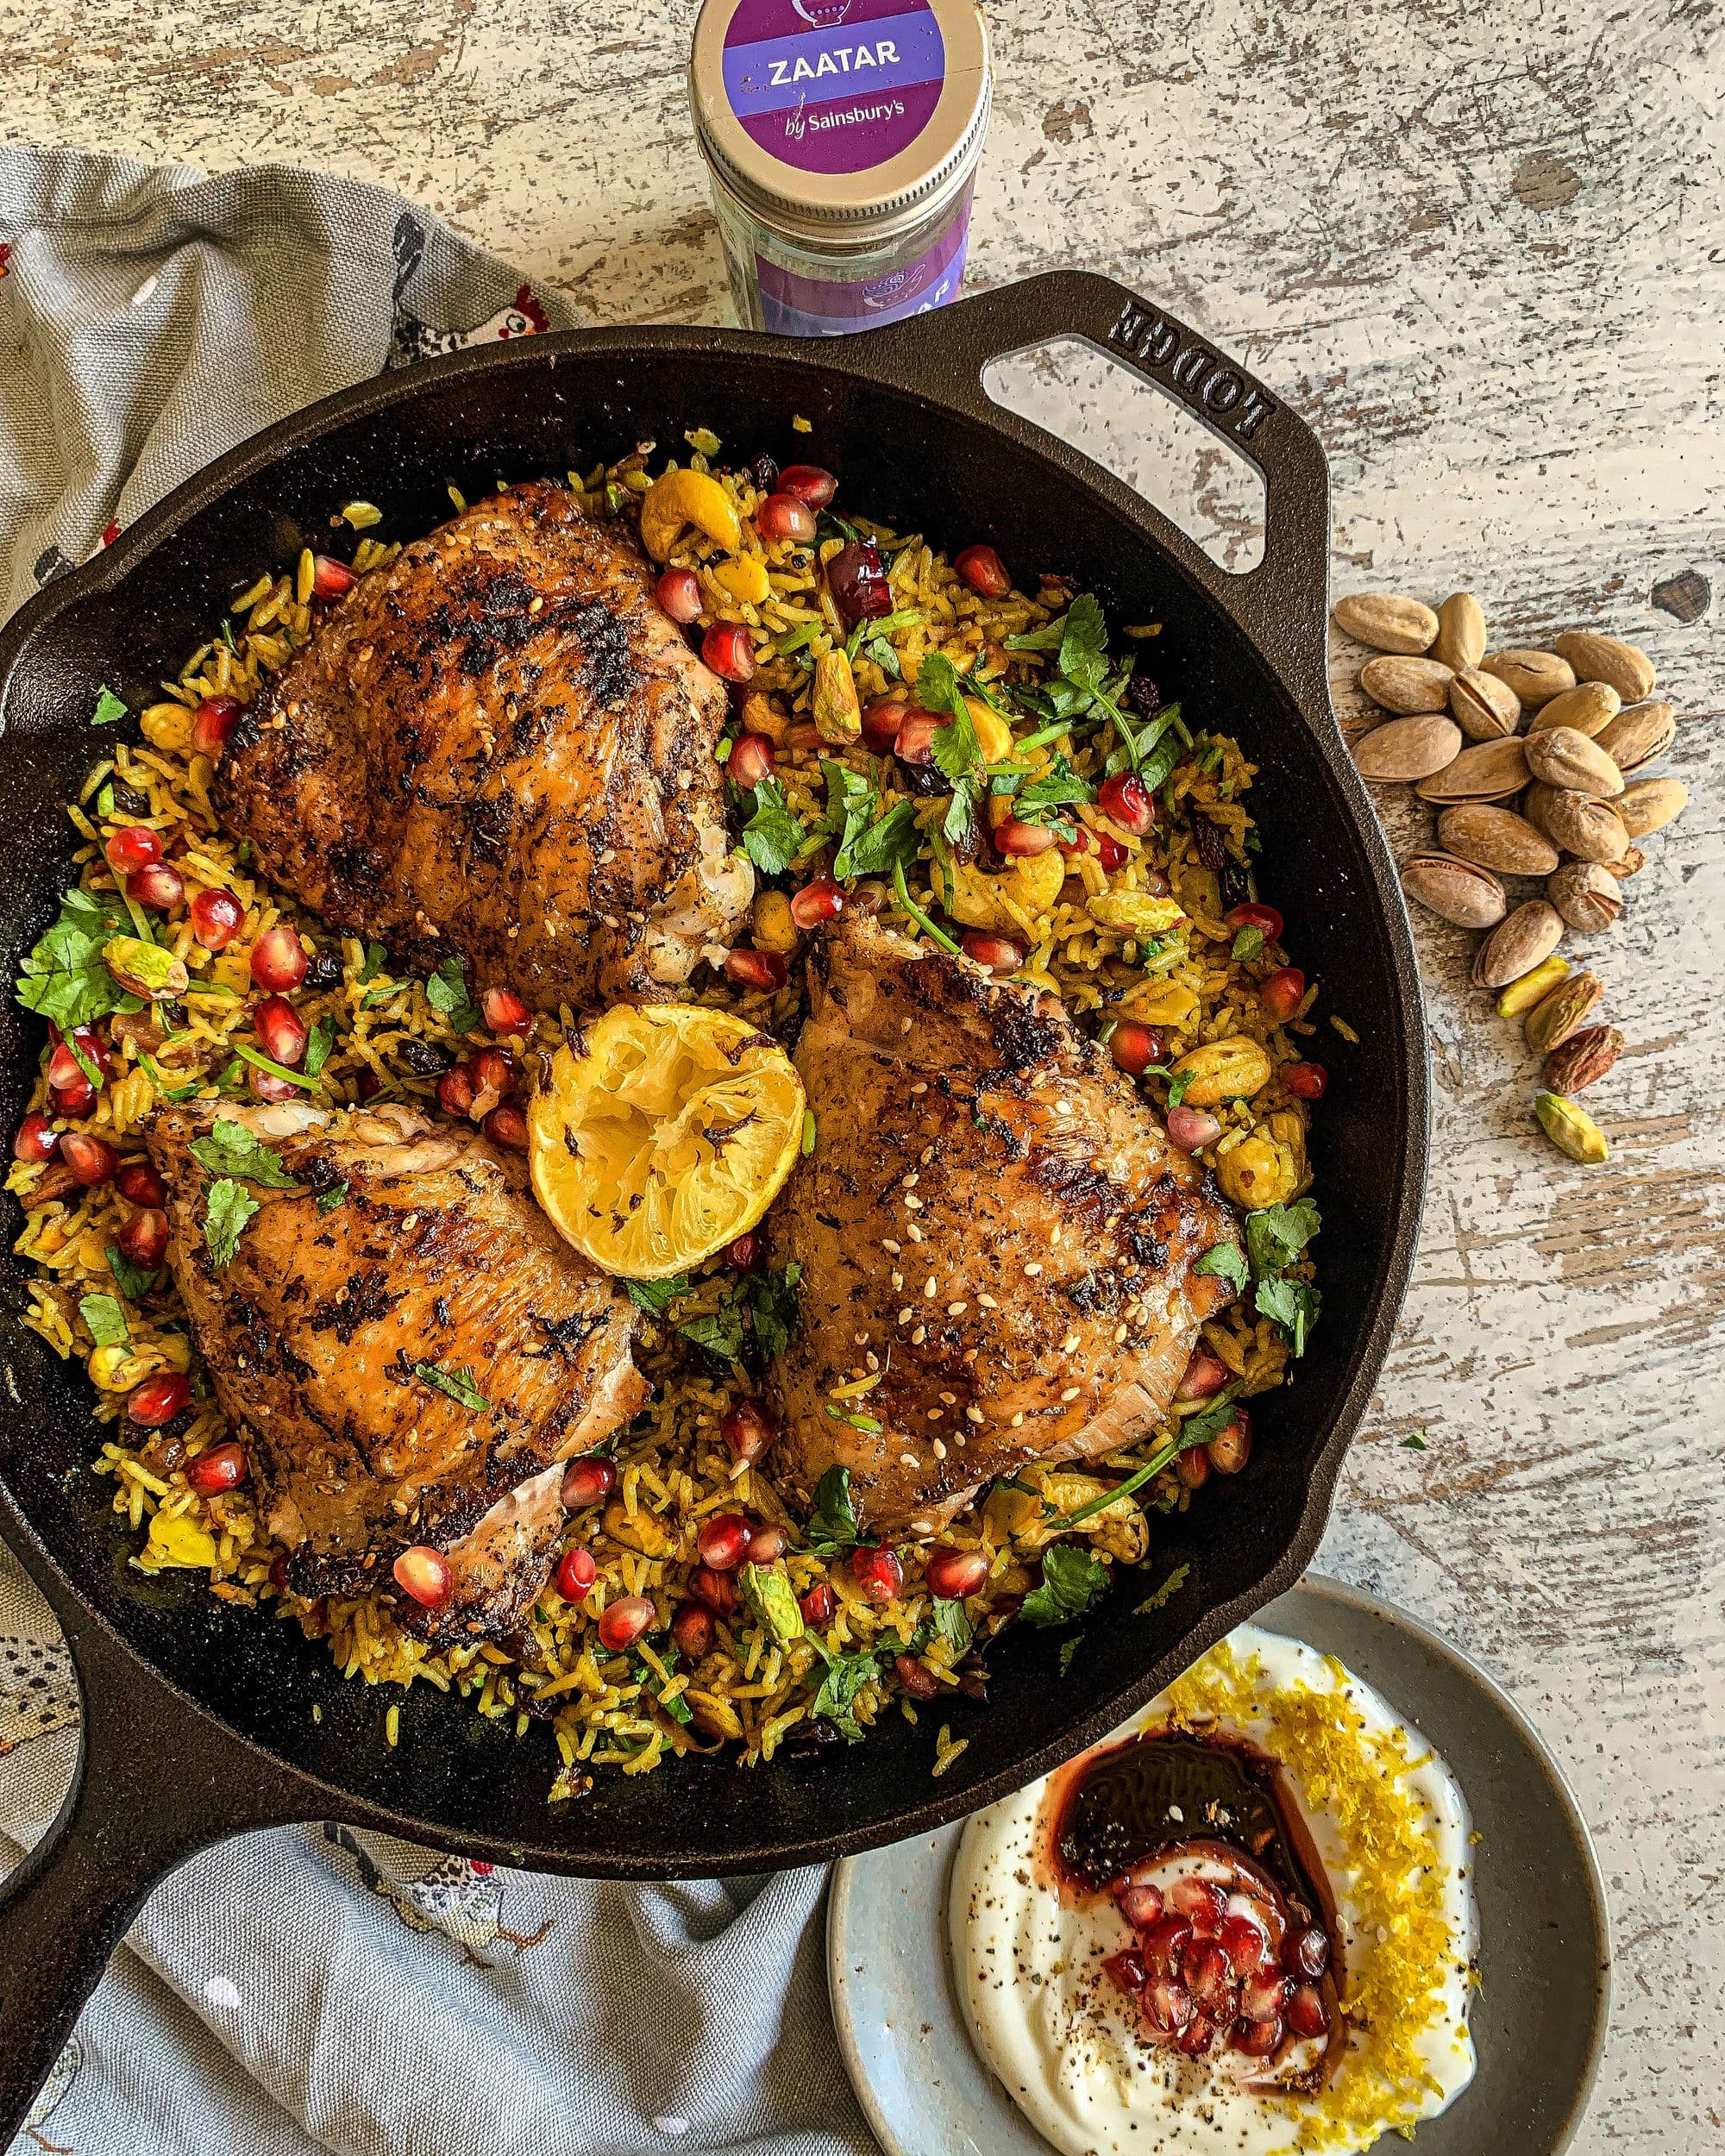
(1538,2020)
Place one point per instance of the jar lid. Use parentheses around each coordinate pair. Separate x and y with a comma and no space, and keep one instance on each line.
(837,114)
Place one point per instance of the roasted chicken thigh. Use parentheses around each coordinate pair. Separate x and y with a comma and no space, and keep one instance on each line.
(406,1276)
(500,746)
(993,1228)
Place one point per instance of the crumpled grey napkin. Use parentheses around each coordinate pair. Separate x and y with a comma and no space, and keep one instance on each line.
(304,1989)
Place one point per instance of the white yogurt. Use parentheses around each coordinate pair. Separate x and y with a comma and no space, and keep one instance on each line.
(1069,2046)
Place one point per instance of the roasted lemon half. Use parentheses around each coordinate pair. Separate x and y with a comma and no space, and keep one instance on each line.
(665,1137)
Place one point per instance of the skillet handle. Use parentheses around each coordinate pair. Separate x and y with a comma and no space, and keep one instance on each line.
(143,1798)
(1287,595)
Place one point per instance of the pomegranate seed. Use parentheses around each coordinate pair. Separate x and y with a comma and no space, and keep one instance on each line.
(576,1572)
(692,1628)
(1164,1944)
(330,577)
(821,900)
(78,1099)
(1124,799)
(1022,842)
(1083,841)
(281,1030)
(1307,2016)
(268,1087)
(158,888)
(767,1541)
(678,592)
(455,1091)
(953,1573)
(212,722)
(35,1140)
(139,1182)
(1211,1981)
(916,1680)
(1206,1374)
(1196,2038)
(159,1399)
(1167,2004)
(1125,1971)
(784,516)
(1307,1953)
(718,1590)
(91,1159)
(995,954)
(1193,1469)
(723,1541)
(1230,1449)
(133,846)
(727,650)
(142,1237)
(1252,915)
(982,569)
(504,1012)
(750,761)
(915,744)
(1245,1943)
(1283,993)
(882,722)
(1202,1903)
(494,1073)
(1257,2039)
(1189,1128)
(64,1067)
(507,1126)
(217,919)
(744,1255)
(748,1430)
(1134,1047)
(625,1621)
(1306,1081)
(1141,1906)
(765,970)
(809,483)
(818,1604)
(1263,1998)
(876,1572)
(587,1480)
(222,1467)
(278,959)
(423,1573)
(1111,853)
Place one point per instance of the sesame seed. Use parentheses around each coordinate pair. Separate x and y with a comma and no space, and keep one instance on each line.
(1066,1346)
(1071,1393)
(920,1336)
(956,1309)
(1054,1236)
(1119,1334)
(899,1282)
(987,1302)
(973,1415)
(913,1205)
(1017,1419)
(910,1181)
(1032,1269)
(929,1285)
(906,1314)
(914,1233)
(872,1360)
(935,1414)
(938,1450)
(922,1086)
(891,1249)
(927,1155)
(859,1340)
(1063,1108)
(949,1400)
(909,1459)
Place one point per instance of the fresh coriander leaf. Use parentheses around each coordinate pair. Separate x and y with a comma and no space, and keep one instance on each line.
(1416,1443)
(885,657)
(327,1200)
(458,1384)
(1248,945)
(1177,1080)
(773,834)
(228,1147)
(1227,1261)
(1276,1236)
(228,1207)
(873,852)
(956,750)
(108,709)
(65,978)
(1071,1580)
(1057,787)
(1068,1648)
(1169,1587)
(446,991)
(1049,638)
(655,1296)
(131,1280)
(846,1677)
(375,956)
(1160,762)
(1291,1304)
(319,1041)
(880,625)
(719,1332)
(1209,1422)
(829,526)
(957,826)
(951,1624)
(773,1303)
(1084,643)
(105,1319)
(831,1527)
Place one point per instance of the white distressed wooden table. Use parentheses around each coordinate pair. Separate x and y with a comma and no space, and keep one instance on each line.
(1483,248)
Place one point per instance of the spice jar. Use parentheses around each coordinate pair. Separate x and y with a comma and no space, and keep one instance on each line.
(842,138)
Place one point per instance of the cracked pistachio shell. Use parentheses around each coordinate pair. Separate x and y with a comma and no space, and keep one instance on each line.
(1638,734)
(1650,804)
(1483,706)
(1409,748)
(1535,676)
(1495,838)
(1406,685)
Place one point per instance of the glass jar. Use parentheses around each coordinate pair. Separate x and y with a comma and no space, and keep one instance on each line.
(842,138)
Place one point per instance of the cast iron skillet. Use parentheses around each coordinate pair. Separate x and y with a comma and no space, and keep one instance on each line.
(198,1721)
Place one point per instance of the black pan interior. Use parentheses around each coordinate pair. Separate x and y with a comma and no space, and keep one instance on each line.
(957,479)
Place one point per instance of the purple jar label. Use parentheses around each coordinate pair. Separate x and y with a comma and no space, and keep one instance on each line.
(796,306)
(834,85)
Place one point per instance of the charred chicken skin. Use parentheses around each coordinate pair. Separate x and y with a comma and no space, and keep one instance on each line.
(320,1331)
(501,746)
(992,1225)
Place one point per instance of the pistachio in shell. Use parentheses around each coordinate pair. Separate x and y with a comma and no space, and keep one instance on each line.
(1461,632)
(1589,706)
(1487,771)
(1386,621)
(1638,734)
(1626,667)
(1409,748)
(1483,706)
(1651,804)
(1591,830)
(1563,757)
(1589,897)
(1455,890)
(1535,676)
(1520,941)
(1495,838)
(1406,685)
(1563,1012)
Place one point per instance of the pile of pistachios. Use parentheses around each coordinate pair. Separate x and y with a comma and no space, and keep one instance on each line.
(1532,759)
